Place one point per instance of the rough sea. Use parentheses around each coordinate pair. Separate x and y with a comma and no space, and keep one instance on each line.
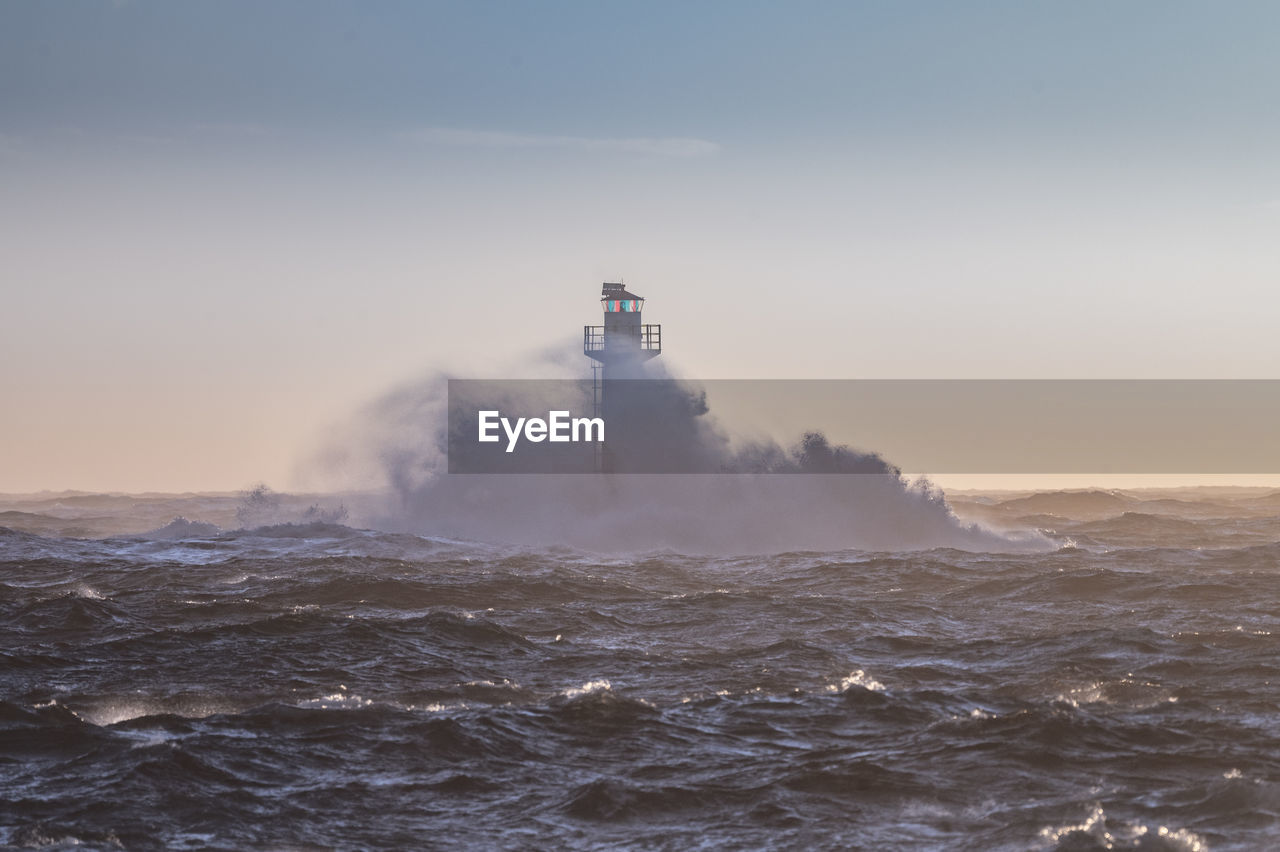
(316,686)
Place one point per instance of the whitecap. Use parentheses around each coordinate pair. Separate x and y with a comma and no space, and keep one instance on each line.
(588,688)
(1110,833)
(857,678)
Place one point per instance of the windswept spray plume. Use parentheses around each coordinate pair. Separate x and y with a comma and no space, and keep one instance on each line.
(260,506)
(729,499)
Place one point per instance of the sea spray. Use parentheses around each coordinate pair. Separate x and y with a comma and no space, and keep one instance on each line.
(400,442)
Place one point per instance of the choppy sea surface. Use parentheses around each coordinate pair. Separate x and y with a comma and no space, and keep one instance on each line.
(321,686)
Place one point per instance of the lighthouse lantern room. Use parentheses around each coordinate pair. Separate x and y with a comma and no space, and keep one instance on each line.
(623,337)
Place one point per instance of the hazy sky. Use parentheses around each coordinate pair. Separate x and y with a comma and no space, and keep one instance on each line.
(224,226)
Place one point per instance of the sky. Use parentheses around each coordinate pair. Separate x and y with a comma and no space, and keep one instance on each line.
(225,226)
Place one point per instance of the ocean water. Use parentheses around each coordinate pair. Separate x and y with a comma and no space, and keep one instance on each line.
(305,686)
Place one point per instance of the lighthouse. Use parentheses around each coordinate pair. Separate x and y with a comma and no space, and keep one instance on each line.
(618,347)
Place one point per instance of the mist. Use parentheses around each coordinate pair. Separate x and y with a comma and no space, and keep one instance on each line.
(733,495)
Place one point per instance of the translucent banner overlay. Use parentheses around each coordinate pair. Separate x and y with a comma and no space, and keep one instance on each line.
(865,426)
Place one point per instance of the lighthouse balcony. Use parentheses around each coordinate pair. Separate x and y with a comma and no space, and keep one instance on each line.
(643,338)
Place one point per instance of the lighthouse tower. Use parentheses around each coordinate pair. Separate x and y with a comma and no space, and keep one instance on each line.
(617,347)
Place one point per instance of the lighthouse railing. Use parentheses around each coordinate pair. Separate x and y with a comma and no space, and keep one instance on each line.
(648,338)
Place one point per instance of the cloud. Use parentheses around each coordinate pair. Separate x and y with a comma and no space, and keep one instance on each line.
(660,147)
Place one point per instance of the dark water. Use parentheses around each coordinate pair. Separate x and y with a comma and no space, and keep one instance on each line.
(301,687)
